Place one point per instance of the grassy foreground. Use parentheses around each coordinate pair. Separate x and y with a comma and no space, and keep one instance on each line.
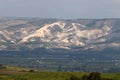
(51,76)
(13,73)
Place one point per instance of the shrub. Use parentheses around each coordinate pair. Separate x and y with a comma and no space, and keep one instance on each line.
(94,76)
(85,77)
(106,79)
(73,78)
(32,71)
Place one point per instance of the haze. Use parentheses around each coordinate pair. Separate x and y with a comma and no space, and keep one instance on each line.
(62,9)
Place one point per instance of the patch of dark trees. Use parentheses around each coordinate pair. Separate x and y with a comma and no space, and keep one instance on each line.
(91,76)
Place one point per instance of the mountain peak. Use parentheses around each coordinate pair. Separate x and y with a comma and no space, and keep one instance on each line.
(59,34)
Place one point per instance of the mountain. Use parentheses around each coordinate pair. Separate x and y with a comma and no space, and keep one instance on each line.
(79,34)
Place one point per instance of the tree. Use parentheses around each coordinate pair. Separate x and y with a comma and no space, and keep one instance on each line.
(32,70)
(94,76)
(91,76)
(85,77)
(72,77)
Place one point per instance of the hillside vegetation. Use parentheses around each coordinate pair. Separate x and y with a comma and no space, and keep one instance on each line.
(55,76)
(28,74)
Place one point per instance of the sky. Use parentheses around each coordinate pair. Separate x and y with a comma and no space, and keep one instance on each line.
(62,9)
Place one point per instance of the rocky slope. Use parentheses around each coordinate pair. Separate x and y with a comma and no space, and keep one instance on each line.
(82,34)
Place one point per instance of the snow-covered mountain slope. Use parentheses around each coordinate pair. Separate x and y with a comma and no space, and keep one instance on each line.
(72,34)
(68,34)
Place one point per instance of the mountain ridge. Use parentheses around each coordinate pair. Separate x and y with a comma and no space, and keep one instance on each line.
(95,34)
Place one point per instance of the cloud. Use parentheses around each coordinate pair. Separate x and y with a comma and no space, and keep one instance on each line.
(60,8)
(116,1)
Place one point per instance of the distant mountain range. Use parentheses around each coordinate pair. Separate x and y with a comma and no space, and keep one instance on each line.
(17,34)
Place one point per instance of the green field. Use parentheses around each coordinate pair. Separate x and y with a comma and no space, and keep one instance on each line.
(14,73)
(52,76)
